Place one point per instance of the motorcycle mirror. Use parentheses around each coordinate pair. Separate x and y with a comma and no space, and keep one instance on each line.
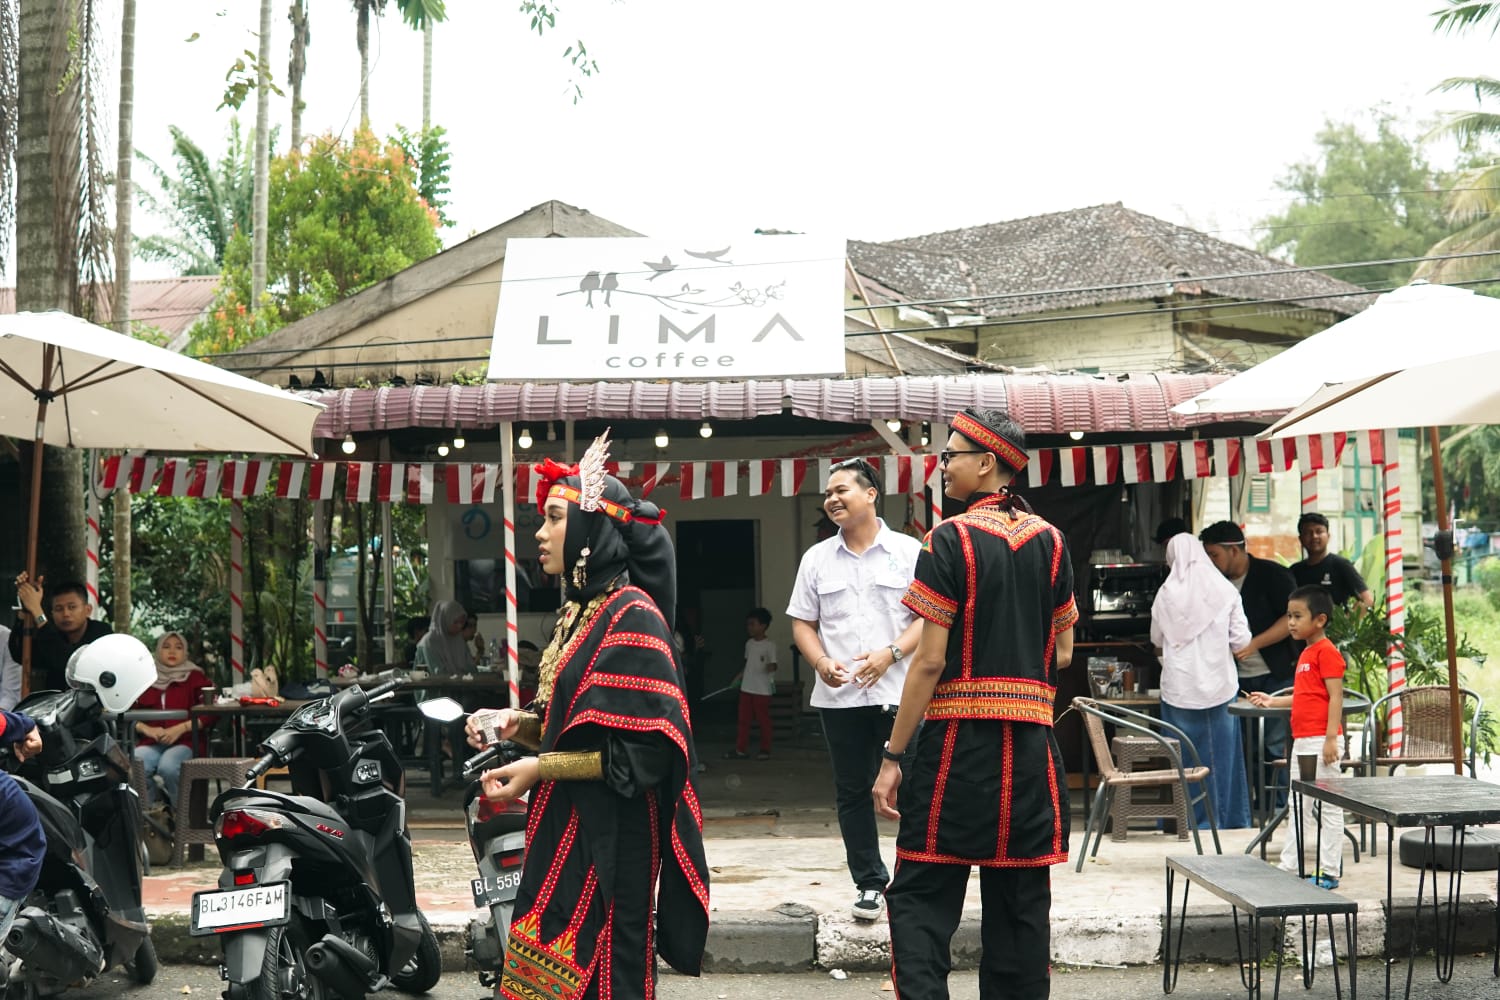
(441,709)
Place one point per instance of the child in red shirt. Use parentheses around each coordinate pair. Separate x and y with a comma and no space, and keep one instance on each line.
(1317,703)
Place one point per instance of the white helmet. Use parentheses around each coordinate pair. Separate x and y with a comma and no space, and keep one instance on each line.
(118,668)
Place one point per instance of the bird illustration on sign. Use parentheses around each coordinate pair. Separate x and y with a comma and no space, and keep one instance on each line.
(687,299)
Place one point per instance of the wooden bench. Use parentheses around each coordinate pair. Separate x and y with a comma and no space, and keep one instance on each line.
(1262,891)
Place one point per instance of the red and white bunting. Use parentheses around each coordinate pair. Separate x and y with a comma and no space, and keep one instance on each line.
(1106,464)
(793,471)
(357,481)
(652,473)
(1135,463)
(471,482)
(1195,460)
(1074,463)
(289,480)
(896,470)
(419,482)
(825,469)
(723,479)
(761,472)
(1163,455)
(694,475)
(320,481)
(524,476)
(390,482)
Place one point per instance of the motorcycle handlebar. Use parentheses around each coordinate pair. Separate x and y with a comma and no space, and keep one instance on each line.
(260,767)
(496,755)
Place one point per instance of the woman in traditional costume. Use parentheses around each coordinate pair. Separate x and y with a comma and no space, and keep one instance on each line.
(614,829)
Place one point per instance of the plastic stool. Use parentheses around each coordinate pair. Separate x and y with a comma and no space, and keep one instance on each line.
(191,809)
(1129,753)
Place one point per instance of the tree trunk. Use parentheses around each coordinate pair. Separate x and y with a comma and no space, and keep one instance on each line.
(298,68)
(362,39)
(124,197)
(259,223)
(46,273)
(426,76)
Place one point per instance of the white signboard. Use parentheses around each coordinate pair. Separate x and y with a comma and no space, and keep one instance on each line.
(646,308)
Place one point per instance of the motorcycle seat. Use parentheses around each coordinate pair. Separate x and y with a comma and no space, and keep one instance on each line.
(250,798)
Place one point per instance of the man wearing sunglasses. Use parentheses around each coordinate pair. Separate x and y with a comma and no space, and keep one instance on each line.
(985,786)
(849,623)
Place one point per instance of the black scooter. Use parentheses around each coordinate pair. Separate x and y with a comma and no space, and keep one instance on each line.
(497,836)
(85,915)
(317,897)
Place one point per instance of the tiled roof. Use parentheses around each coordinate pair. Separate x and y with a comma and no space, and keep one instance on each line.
(1077,256)
(170,304)
(1044,404)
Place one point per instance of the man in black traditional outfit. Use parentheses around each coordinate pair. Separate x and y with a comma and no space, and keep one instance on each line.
(994,587)
(615,873)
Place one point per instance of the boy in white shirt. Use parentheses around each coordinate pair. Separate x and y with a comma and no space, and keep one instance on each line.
(757,684)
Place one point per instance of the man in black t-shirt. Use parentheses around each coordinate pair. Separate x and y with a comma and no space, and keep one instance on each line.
(54,639)
(1327,569)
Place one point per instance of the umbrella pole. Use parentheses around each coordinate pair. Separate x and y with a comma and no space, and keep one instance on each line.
(1455,705)
(34,518)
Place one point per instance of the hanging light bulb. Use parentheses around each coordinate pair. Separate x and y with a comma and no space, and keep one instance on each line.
(442,450)
(925,440)
(894,425)
(1076,435)
(707,430)
(348,444)
(551,431)
(458,436)
(523,440)
(661,437)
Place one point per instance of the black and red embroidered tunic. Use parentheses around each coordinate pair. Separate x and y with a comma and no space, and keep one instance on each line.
(603,858)
(987,786)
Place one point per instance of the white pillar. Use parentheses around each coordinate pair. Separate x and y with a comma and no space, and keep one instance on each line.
(236,590)
(91,569)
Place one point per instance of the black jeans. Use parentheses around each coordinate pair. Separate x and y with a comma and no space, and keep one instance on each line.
(855,738)
(926,901)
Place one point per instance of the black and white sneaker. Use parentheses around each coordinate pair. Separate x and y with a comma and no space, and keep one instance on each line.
(869,905)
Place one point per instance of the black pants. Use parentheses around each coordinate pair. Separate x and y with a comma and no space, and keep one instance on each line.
(855,738)
(925,902)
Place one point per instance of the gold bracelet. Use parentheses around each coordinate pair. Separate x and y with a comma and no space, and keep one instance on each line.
(528,732)
(577,765)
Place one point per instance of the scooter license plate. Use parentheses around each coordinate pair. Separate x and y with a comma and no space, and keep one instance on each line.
(493,889)
(222,911)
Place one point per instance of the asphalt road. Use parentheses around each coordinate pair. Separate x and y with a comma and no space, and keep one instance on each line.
(1472,978)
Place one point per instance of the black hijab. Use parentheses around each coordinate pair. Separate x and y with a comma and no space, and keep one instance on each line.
(636,551)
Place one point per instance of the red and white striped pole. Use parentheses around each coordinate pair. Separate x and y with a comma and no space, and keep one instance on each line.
(236,590)
(508,507)
(320,587)
(91,570)
(1395,599)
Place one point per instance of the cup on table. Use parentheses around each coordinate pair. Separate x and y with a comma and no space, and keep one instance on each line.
(1307,766)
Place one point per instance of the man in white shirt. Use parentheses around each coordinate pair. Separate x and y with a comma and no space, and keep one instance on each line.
(849,623)
(10,674)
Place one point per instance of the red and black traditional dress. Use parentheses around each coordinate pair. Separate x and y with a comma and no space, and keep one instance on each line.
(615,871)
(987,785)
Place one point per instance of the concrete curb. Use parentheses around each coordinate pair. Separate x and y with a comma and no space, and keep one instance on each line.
(794,938)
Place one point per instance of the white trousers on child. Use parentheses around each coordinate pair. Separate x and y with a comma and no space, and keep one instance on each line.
(1331,852)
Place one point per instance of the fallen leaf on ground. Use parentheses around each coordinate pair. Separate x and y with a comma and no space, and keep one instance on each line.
(887,986)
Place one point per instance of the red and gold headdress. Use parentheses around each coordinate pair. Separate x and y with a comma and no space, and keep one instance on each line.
(592,472)
(1012,453)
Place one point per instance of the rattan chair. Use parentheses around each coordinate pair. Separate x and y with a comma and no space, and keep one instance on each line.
(1426,728)
(1187,769)
(190,813)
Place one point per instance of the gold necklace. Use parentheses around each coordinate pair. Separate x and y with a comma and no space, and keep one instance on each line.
(573,619)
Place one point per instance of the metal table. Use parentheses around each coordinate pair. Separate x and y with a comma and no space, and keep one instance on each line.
(1431,801)
(1255,751)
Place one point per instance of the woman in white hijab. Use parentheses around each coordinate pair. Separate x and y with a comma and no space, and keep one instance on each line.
(1198,622)
(443,650)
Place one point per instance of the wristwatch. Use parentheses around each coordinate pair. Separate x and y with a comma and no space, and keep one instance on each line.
(41,620)
(896,653)
(889,754)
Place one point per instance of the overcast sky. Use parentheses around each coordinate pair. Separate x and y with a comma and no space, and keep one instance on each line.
(874,119)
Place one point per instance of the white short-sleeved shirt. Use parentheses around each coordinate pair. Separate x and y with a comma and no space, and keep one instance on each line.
(760,657)
(855,600)
(1201,672)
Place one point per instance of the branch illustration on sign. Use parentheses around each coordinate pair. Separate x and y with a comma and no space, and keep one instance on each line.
(684,299)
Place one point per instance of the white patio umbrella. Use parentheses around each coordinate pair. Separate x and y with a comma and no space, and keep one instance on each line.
(1461,390)
(94,388)
(1417,323)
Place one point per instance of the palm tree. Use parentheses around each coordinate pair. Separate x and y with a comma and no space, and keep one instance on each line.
(51,123)
(1473,201)
(205,204)
(297,69)
(417,13)
(120,506)
(261,195)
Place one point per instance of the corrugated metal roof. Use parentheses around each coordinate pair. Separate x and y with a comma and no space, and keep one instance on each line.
(1044,404)
(170,304)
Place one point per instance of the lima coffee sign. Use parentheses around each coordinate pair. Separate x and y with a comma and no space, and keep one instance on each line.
(646,308)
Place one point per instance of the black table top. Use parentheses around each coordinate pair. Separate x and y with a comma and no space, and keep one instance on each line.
(1261,888)
(1428,800)
(1354,704)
